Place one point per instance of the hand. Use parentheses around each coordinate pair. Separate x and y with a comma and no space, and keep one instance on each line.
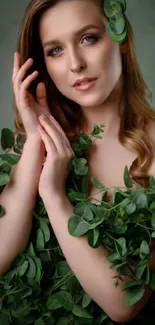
(28,108)
(59,152)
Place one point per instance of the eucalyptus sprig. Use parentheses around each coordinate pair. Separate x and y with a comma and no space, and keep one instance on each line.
(115,224)
(40,287)
(117,27)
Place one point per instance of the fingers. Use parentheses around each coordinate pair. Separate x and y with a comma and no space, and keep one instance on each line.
(57,125)
(52,135)
(25,85)
(19,74)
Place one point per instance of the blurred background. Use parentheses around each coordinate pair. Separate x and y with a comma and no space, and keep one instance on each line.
(140,13)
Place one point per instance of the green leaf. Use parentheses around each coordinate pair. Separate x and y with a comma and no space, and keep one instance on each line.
(45,229)
(96,183)
(142,201)
(146,278)
(112,7)
(40,240)
(83,209)
(122,243)
(23,268)
(152,182)
(10,158)
(80,312)
(153,234)
(116,38)
(94,238)
(7,139)
(84,184)
(63,268)
(67,300)
(139,271)
(60,299)
(76,196)
(152,207)
(4,179)
(127,178)
(86,300)
(117,25)
(144,249)
(54,301)
(134,295)
(113,257)
(96,222)
(77,227)
(32,269)
(30,250)
(153,220)
(123,5)
(128,284)
(101,318)
(131,208)
(2,211)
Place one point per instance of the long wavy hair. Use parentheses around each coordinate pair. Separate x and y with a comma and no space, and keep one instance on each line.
(137,112)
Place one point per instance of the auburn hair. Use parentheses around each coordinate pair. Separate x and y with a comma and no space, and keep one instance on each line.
(136,115)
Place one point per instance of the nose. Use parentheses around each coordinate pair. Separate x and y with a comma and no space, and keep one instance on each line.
(76,61)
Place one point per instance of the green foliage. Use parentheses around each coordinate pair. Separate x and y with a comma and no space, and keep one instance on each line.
(40,288)
(117,27)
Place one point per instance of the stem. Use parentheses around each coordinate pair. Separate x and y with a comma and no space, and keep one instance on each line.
(145,227)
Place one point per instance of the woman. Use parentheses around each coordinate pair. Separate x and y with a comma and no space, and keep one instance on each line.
(64,60)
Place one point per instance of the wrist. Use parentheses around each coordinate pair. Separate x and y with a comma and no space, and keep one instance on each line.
(35,141)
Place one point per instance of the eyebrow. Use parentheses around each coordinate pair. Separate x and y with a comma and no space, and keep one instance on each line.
(77,33)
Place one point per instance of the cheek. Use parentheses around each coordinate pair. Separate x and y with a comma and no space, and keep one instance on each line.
(114,62)
(57,72)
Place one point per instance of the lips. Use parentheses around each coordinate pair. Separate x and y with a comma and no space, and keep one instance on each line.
(83,81)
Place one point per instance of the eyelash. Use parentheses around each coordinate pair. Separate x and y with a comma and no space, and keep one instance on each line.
(95,37)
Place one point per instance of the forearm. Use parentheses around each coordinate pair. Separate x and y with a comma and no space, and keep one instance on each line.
(89,265)
(18,200)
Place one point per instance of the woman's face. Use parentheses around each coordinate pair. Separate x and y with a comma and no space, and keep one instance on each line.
(75,55)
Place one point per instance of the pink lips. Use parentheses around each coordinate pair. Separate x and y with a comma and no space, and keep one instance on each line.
(86,86)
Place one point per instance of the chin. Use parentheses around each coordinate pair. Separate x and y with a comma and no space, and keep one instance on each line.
(90,100)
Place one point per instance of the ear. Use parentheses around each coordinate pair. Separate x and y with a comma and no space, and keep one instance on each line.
(123,48)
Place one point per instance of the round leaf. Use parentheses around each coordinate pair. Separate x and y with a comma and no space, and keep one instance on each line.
(4,179)
(144,249)
(77,226)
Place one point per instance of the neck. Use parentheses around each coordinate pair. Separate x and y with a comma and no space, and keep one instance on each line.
(108,113)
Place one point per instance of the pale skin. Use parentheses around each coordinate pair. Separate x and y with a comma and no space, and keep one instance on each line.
(100,104)
(76,59)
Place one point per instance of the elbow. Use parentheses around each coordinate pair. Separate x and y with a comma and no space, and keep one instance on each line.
(122,316)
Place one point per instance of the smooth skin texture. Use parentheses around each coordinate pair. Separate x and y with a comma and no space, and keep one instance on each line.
(70,58)
(14,242)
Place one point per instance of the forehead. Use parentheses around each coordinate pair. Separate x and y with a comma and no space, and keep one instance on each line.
(67,17)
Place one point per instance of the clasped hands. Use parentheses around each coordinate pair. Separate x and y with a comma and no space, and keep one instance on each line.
(59,152)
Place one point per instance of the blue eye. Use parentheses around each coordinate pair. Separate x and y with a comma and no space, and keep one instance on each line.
(54,51)
(94,37)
